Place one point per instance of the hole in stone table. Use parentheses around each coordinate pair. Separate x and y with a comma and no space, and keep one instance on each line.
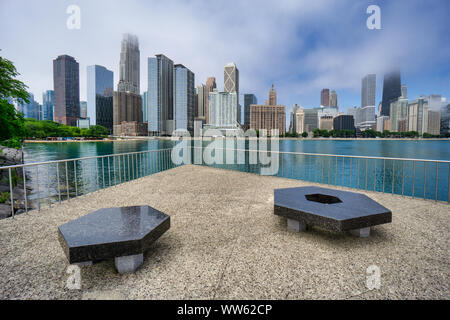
(322,198)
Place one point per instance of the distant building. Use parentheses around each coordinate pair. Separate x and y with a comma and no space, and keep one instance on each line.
(131,128)
(364,117)
(418,115)
(209,87)
(434,122)
(383,123)
(368,90)
(404,91)
(265,117)
(48,103)
(83,123)
(201,101)
(145,106)
(391,91)
(183,93)
(231,82)
(83,109)
(129,69)
(272,101)
(310,120)
(293,125)
(100,83)
(222,110)
(344,122)
(325,97)
(31,109)
(127,107)
(445,118)
(66,82)
(160,95)
(333,99)
(326,123)
(249,99)
(398,115)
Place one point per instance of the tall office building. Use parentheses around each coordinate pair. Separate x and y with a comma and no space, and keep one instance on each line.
(272,97)
(434,122)
(183,98)
(265,117)
(231,82)
(129,64)
(160,95)
(404,91)
(368,90)
(333,99)
(29,110)
(344,122)
(249,98)
(83,109)
(391,91)
(127,101)
(310,119)
(418,115)
(325,97)
(100,83)
(398,115)
(145,106)
(445,118)
(298,119)
(48,103)
(222,110)
(201,101)
(209,87)
(66,82)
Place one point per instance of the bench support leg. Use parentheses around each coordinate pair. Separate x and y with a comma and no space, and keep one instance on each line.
(363,232)
(85,263)
(295,225)
(128,263)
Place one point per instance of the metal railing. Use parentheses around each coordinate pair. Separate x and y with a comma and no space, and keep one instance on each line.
(33,185)
(417,178)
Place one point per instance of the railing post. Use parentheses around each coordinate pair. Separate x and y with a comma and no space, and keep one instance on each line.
(57,178)
(11,192)
(414,178)
(75,177)
(25,189)
(48,186)
(424,180)
(393,176)
(67,182)
(436,183)
(37,188)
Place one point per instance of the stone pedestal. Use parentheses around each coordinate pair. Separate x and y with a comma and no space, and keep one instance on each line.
(128,263)
(295,225)
(363,232)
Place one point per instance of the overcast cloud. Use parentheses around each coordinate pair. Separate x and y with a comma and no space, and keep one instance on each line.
(301,46)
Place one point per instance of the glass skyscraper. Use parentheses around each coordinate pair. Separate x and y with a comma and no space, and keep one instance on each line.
(145,106)
(183,102)
(48,103)
(368,90)
(249,98)
(391,91)
(99,96)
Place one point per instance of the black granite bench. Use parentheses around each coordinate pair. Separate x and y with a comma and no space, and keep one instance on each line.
(328,208)
(123,233)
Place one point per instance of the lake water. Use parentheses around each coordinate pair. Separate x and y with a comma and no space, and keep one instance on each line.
(420,179)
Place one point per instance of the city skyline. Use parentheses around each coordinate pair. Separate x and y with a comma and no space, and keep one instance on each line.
(298,78)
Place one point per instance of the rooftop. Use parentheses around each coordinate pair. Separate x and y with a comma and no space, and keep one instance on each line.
(226,243)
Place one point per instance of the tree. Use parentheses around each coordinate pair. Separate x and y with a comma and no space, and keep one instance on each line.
(305,134)
(12,129)
(98,131)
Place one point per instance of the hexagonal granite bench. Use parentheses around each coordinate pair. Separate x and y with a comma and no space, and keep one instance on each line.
(328,208)
(123,233)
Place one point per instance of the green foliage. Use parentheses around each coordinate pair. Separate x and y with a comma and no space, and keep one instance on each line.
(305,134)
(4,196)
(43,129)
(12,129)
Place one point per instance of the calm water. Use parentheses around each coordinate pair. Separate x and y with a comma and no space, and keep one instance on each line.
(421,179)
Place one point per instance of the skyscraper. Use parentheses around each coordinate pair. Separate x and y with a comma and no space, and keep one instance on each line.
(100,83)
(398,115)
(231,81)
(368,90)
(333,99)
(83,109)
(160,95)
(201,101)
(127,101)
(145,106)
(404,91)
(66,82)
(391,91)
(249,99)
(48,102)
(129,64)
(223,109)
(325,97)
(183,98)
(272,97)
(268,118)
(209,87)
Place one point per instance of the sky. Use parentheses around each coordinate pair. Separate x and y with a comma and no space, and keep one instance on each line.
(300,46)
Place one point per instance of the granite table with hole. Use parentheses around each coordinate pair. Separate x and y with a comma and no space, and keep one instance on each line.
(122,233)
(330,209)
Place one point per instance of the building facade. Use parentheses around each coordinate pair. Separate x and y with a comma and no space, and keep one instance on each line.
(333,99)
(325,97)
(344,122)
(222,109)
(249,99)
(183,93)
(231,82)
(272,101)
(368,90)
(201,101)
(418,115)
(129,72)
(326,123)
(398,115)
(48,103)
(160,95)
(145,106)
(100,83)
(83,109)
(391,91)
(66,82)
(209,87)
(264,117)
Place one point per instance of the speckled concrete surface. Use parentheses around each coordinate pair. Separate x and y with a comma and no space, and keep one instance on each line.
(226,243)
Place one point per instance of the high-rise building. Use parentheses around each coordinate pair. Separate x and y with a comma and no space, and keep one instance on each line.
(160,95)
(368,90)
(66,82)
(48,103)
(145,106)
(310,120)
(249,98)
(222,109)
(299,120)
(391,91)
(127,101)
(398,115)
(333,99)
(30,110)
(201,101)
(383,123)
(272,101)
(326,123)
(100,83)
(344,122)
(266,117)
(209,87)
(129,65)
(325,97)
(404,91)
(445,118)
(418,115)
(231,81)
(434,122)
(183,98)
(83,109)
(364,117)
